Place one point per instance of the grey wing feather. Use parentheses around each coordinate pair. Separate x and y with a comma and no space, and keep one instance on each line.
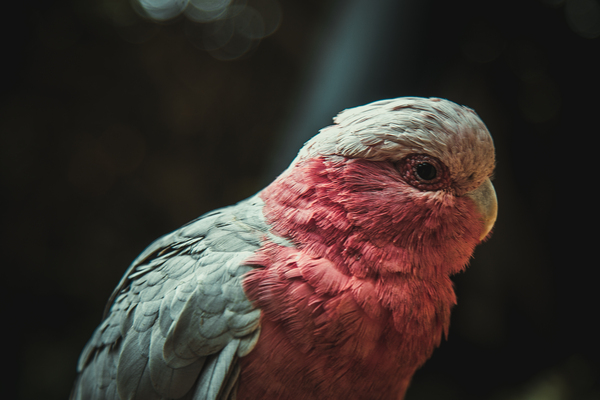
(219,369)
(179,319)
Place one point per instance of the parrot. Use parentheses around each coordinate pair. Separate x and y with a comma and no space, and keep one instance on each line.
(332,282)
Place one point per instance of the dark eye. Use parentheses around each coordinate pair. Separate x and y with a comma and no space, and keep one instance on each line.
(426,171)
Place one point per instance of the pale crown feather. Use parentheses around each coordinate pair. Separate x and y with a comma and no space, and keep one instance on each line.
(389,130)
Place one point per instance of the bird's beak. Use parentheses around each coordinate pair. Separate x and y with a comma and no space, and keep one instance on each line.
(485,200)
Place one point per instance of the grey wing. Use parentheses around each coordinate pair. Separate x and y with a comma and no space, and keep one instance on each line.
(179,319)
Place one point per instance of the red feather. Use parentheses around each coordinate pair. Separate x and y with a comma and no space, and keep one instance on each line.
(365,297)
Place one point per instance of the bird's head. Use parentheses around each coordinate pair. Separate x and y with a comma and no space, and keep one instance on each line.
(410,171)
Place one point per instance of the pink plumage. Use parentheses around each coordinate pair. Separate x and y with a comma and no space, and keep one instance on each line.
(333,282)
(354,303)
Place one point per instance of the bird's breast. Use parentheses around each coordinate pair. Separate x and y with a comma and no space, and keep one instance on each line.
(328,335)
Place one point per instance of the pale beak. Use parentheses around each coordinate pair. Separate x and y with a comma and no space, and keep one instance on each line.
(485,200)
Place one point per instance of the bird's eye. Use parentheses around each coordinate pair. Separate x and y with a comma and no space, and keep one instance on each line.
(426,171)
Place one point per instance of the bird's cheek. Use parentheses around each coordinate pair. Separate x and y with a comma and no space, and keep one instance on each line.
(486,203)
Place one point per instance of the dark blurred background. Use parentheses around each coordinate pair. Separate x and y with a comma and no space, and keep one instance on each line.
(120,121)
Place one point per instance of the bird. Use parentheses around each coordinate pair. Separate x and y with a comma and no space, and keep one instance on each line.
(332,282)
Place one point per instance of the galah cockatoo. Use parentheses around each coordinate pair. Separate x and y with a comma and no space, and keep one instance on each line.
(333,282)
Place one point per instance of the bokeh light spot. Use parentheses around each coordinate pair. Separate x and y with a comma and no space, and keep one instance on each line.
(210,5)
(583,16)
(227,29)
(196,14)
(163,10)
(270,11)
(236,47)
(250,23)
(218,34)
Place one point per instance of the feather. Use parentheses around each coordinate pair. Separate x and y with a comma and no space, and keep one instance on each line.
(170,382)
(132,368)
(218,368)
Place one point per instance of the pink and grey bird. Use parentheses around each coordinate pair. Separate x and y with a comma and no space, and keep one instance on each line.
(333,282)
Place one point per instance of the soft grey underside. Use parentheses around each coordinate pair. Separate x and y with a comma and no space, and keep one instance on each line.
(179,319)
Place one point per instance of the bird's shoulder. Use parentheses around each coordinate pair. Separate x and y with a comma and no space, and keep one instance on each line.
(179,317)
